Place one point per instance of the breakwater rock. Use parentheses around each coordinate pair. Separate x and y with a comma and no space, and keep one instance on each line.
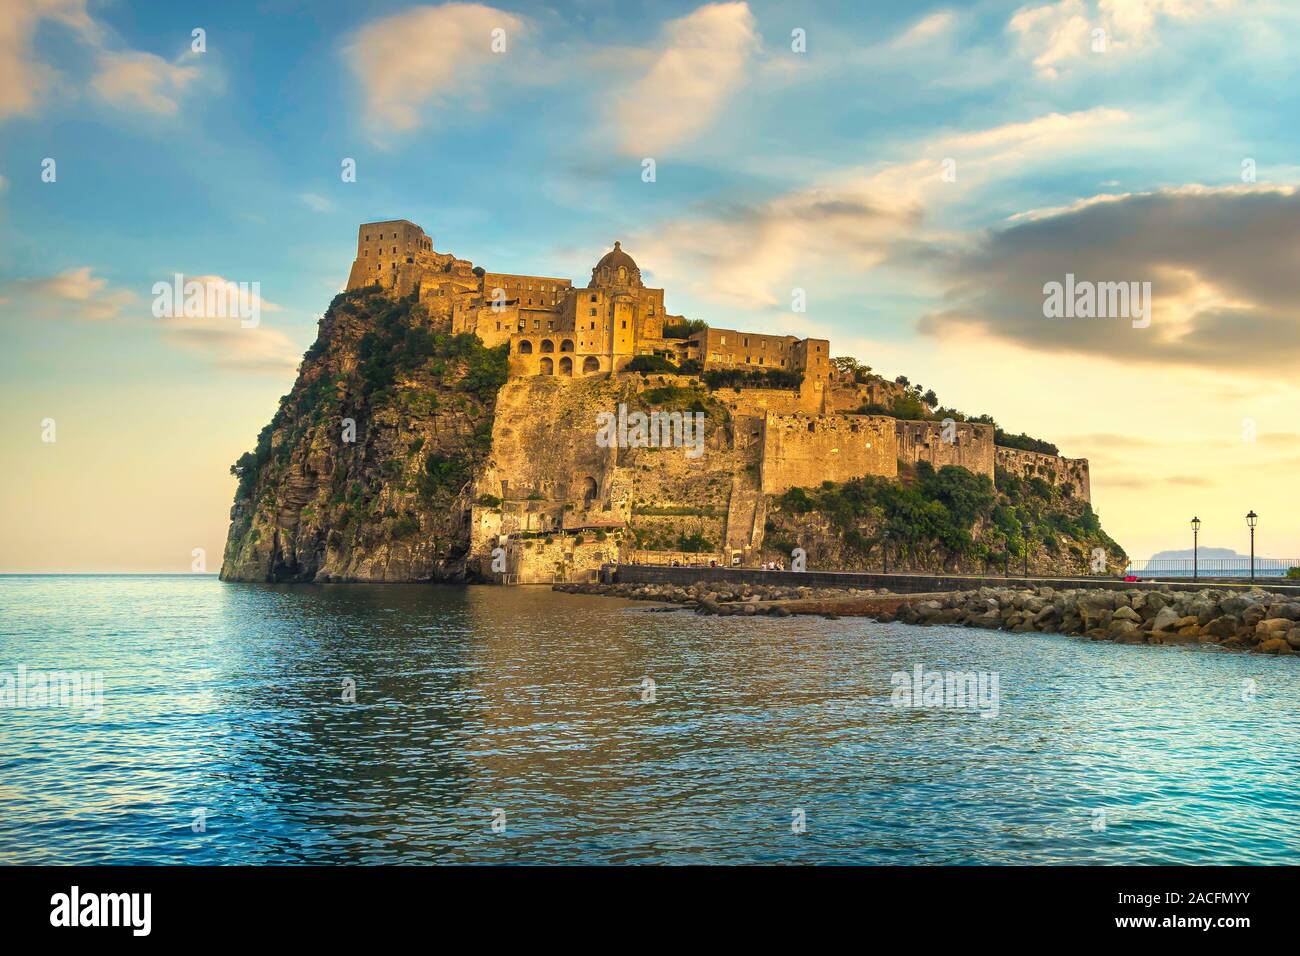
(1253,620)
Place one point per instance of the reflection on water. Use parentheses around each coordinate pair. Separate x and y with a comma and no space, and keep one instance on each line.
(227,699)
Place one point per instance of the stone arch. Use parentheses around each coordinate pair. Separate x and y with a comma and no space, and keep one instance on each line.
(566,345)
(547,367)
(590,364)
(566,366)
(525,347)
(548,345)
(589,491)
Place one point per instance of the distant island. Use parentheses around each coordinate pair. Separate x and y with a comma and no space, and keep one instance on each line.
(455,424)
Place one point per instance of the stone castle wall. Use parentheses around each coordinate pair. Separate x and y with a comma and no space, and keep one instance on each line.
(970,446)
(1068,474)
(805,450)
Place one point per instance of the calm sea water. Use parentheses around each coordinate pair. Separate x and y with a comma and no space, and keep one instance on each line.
(225,699)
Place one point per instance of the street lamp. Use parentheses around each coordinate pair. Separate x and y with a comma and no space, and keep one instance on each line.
(1252,519)
(1196,528)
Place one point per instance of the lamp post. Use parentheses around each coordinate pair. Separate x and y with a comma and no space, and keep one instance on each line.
(1196,528)
(1252,519)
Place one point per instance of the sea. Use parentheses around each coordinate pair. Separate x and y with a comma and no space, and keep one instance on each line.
(155,719)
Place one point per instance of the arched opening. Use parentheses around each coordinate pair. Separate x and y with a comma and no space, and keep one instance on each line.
(588,492)
(566,366)
(548,345)
(590,364)
(525,347)
(566,345)
(548,367)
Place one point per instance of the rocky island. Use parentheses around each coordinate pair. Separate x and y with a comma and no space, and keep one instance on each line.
(446,425)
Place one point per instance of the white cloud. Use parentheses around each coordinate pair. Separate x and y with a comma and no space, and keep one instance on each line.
(80,295)
(927,28)
(426,56)
(74,294)
(23,78)
(1057,34)
(700,63)
(750,256)
(316,202)
(219,334)
(142,81)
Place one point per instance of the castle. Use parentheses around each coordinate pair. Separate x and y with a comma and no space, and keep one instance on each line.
(547,476)
(556,329)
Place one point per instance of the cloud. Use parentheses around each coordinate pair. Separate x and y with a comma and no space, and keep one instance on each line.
(425,57)
(699,64)
(1055,35)
(23,78)
(927,29)
(1237,312)
(81,296)
(142,81)
(750,254)
(217,332)
(75,294)
(316,203)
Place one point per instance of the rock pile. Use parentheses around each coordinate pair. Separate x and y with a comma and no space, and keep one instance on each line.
(717,598)
(1240,620)
(1254,620)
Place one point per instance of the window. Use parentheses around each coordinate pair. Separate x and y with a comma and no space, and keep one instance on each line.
(593,326)
(625,323)
(593,312)
(745,343)
(593,299)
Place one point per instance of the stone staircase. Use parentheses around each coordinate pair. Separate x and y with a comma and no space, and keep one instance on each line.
(746,512)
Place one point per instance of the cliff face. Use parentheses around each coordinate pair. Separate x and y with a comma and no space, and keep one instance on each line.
(364,473)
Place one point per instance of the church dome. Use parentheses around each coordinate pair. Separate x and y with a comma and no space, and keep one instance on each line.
(616,269)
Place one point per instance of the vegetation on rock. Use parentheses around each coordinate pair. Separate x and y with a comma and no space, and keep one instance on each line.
(950,519)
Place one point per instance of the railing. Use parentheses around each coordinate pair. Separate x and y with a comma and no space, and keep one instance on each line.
(1213,567)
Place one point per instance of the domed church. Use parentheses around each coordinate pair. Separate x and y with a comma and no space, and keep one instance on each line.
(605,325)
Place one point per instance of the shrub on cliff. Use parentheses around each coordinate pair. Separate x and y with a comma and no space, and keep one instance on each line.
(1024,442)
(651,364)
(752,378)
(950,512)
(684,329)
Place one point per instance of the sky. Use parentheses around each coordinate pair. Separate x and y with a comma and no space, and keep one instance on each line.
(920,172)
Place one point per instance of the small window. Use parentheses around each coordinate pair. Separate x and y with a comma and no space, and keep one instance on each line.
(593,299)
(593,312)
